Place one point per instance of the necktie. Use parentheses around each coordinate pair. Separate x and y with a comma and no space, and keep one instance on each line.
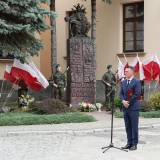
(128,81)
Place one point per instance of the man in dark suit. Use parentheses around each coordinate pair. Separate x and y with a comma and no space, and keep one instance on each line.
(130,93)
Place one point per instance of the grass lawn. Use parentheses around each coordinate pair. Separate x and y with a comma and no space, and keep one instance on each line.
(20,118)
(151,114)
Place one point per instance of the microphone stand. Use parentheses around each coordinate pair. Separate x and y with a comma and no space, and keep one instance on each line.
(111,145)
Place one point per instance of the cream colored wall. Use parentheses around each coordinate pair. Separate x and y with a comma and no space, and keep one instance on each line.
(62,6)
(109,32)
(45,53)
(108,35)
(152,26)
(2,67)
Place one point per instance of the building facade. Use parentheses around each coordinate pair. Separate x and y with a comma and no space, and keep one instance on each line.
(125,26)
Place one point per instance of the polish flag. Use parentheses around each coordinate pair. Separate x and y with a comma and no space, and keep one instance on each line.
(126,64)
(8,76)
(121,68)
(135,64)
(141,71)
(157,74)
(151,68)
(29,73)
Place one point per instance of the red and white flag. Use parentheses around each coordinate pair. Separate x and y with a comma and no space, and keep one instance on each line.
(8,76)
(29,74)
(39,75)
(151,68)
(141,71)
(121,68)
(135,64)
(156,68)
(126,62)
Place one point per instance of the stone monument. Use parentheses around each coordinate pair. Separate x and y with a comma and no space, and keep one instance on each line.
(81,59)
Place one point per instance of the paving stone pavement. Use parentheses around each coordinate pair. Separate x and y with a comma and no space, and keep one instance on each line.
(80,147)
(77,141)
(102,124)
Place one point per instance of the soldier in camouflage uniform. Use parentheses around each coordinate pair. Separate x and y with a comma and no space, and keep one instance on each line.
(59,79)
(109,79)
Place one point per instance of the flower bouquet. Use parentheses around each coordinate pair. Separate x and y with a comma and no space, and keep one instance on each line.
(25,101)
(87,107)
(130,93)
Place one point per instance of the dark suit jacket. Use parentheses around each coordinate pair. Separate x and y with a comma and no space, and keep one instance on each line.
(131,93)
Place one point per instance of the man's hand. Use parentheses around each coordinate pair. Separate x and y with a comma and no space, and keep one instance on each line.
(55,85)
(125,103)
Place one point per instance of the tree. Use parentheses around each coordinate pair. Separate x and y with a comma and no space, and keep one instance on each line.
(20,23)
(53,38)
(93,26)
(93,20)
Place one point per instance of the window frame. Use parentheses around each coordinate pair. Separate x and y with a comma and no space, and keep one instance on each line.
(133,20)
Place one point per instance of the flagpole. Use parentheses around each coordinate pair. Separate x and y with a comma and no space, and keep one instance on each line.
(1,89)
(125,58)
(149,90)
(156,85)
(9,94)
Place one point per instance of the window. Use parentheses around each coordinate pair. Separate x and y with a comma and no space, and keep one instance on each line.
(133,27)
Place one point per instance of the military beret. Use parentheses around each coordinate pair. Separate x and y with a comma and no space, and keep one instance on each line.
(57,65)
(109,66)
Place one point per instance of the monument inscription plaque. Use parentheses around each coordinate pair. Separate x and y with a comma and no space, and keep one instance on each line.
(82,70)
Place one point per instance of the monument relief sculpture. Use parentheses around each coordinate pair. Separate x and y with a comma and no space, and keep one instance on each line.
(81,58)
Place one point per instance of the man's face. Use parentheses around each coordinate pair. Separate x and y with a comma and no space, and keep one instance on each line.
(110,69)
(129,73)
(59,68)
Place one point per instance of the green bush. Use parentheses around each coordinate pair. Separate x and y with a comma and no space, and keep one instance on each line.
(118,103)
(8,107)
(155,101)
(145,106)
(50,106)
(150,114)
(16,118)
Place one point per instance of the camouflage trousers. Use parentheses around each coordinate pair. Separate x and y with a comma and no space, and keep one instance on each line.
(109,96)
(58,93)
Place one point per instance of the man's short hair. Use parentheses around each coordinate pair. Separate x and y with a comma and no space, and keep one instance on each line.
(131,68)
